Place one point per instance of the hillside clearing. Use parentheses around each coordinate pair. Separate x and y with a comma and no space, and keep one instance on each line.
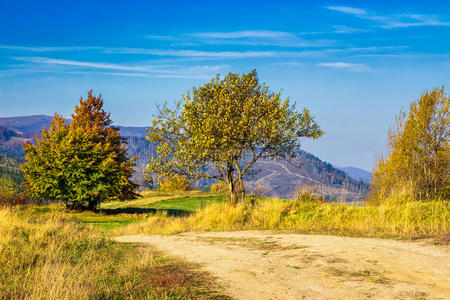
(265,265)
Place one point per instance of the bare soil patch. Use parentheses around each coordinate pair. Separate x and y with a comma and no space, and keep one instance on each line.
(266,265)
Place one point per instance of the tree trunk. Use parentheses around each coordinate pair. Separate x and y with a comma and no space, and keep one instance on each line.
(92,205)
(240,181)
(232,194)
(242,189)
(232,197)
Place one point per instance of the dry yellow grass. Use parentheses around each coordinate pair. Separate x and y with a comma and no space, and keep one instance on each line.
(46,254)
(397,218)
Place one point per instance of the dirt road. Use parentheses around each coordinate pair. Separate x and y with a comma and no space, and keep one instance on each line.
(265,265)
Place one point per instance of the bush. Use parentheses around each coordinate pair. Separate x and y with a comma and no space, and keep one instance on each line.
(9,193)
(419,152)
(219,187)
(174,183)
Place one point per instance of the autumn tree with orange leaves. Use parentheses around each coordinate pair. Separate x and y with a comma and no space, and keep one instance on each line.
(82,163)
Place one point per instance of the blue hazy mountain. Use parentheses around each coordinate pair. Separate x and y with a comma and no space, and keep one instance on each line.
(357,173)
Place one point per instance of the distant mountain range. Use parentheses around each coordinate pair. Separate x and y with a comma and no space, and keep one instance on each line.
(270,177)
(34,124)
(357,173)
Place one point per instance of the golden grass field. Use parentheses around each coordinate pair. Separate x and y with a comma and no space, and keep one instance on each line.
(47,254)
(397,218)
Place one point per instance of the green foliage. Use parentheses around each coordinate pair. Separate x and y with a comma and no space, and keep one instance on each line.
(229,124)
(419,152)
(82,163)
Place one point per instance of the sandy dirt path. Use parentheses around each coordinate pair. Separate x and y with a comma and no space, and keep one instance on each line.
(265,265)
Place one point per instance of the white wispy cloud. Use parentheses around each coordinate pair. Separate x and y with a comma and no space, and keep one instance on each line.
(243,34)
(144,70)
(344,65)
(288,64)
(96,65)
(243,37)
(197,55)
(348,10)
(259,38)
(201,54)
(193,53)
(162,37)
(392,20)
(49,49)
(347,29)
(192,72)
(122,74)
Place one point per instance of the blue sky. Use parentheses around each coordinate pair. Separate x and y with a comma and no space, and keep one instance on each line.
(354,64)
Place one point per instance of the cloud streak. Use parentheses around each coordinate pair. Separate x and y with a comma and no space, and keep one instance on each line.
(244,34)
(196,54)
(391,21)
(96,65)
(344,65)
(161,71)
(259,38)
(49,49)
(245,37)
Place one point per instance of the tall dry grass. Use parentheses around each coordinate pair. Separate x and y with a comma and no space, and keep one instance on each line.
(45,254)
(397,218)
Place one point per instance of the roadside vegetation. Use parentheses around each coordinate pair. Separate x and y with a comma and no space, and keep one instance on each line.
(398,218)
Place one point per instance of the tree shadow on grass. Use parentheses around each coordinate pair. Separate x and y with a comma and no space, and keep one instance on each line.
(142,210)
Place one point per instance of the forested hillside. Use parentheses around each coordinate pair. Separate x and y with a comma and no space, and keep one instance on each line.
(10,167)
(272,178)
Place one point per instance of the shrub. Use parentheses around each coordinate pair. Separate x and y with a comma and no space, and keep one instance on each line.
(174,183)
(219,187)
(419,152)
(9,193)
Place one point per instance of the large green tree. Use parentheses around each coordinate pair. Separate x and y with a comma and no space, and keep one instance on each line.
(83,162)
(419,152)
(227,124)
